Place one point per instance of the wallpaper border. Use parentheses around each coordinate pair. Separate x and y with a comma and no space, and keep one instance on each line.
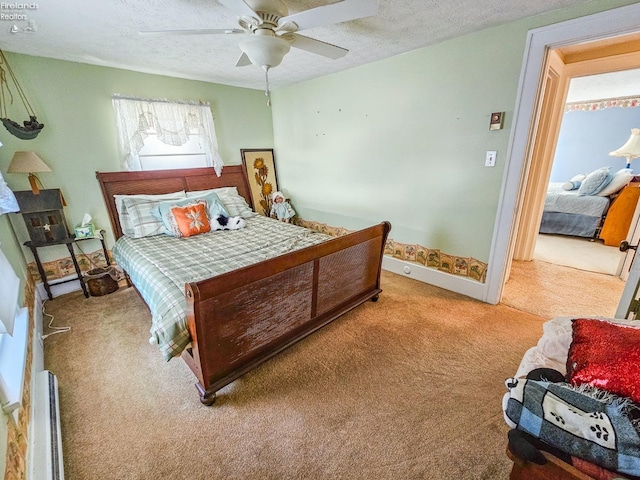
(467,267)
(601,104)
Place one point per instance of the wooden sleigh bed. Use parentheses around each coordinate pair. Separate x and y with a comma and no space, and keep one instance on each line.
(239,319)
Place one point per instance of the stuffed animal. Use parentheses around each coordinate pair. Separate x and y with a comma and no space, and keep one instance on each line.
(222,222)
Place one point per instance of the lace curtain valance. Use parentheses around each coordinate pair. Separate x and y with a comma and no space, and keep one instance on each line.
(172,123)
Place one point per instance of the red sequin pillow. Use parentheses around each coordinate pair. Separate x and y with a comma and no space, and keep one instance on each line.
(605,355)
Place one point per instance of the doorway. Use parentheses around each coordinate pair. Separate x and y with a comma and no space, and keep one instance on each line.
(563,65)
(581,41)
(598,115)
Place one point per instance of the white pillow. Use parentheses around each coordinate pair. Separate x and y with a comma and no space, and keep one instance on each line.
(232,201)
(620,180)
(134,212)
(571,185)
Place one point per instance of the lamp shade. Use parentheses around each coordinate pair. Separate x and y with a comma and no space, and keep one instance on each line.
(27,162)
(631,149)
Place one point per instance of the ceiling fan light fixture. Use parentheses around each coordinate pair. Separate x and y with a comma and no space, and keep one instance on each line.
(265,51)
(272,8)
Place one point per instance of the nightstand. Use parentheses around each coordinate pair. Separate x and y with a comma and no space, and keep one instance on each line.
(618,220)
(69,242)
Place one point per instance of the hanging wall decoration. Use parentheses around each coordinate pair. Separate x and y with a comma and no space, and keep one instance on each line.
(260,169)
(29,128)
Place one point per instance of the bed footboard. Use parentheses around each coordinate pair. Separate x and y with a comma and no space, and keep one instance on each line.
(240,319)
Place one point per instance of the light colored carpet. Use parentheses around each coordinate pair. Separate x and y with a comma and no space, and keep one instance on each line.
(409,387)
(580,253)
(550,290)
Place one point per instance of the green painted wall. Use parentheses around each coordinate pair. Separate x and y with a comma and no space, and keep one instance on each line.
(73,100)
(404,139)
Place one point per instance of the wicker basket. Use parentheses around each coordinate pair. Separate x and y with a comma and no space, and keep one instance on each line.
(101,281)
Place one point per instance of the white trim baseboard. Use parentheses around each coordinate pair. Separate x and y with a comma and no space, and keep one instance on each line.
(462,285)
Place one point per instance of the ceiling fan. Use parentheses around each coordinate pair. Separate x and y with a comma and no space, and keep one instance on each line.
(270,30)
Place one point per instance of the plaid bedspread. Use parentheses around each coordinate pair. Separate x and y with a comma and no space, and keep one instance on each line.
(159,266)
(593,426)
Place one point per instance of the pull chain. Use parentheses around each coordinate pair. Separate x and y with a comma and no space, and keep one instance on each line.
(267,92)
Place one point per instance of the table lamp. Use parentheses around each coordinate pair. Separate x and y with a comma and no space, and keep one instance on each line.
(631,149)
(29,162)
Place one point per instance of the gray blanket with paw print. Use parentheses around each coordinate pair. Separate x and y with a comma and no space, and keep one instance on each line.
(583,422)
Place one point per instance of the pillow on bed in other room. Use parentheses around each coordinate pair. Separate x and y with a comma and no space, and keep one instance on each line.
(233,202)
(605,355)
(161,210)
(189,220)
(135,215)
(620,180)
(574,182)
(595,181)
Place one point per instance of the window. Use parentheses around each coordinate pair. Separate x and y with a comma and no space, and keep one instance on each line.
(155,155)
(159,134)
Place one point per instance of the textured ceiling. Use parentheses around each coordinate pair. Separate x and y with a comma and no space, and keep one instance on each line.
(105,32)
(607,85)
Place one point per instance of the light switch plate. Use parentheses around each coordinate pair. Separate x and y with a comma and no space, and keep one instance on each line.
(490,160)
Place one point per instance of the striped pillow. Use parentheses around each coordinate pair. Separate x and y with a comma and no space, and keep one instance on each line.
(134,212)
(233,202)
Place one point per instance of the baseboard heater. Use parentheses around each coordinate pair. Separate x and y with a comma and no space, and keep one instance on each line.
(46,443)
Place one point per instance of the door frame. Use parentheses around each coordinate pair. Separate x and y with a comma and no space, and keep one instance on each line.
(557,81)
(616,22)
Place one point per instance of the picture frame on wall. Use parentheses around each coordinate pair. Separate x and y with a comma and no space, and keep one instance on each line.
(259,165)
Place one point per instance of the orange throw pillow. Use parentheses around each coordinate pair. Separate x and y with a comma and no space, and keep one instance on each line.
(191,219)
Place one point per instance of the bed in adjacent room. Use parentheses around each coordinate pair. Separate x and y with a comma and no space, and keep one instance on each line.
(579,207)
(228,300)
(569,213)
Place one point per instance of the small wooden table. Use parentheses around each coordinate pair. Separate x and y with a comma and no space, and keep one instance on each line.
(69,242)
(618,220)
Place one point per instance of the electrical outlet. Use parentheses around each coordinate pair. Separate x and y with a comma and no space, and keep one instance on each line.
(490,160)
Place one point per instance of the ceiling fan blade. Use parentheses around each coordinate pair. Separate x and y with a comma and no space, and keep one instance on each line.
(329,14)
(240,7)
(316,46)
(195,31)
(243,61)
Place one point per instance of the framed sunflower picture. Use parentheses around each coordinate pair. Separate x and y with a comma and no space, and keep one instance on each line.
(259,164)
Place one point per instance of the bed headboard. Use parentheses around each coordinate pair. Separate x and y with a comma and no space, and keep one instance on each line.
(154,182)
